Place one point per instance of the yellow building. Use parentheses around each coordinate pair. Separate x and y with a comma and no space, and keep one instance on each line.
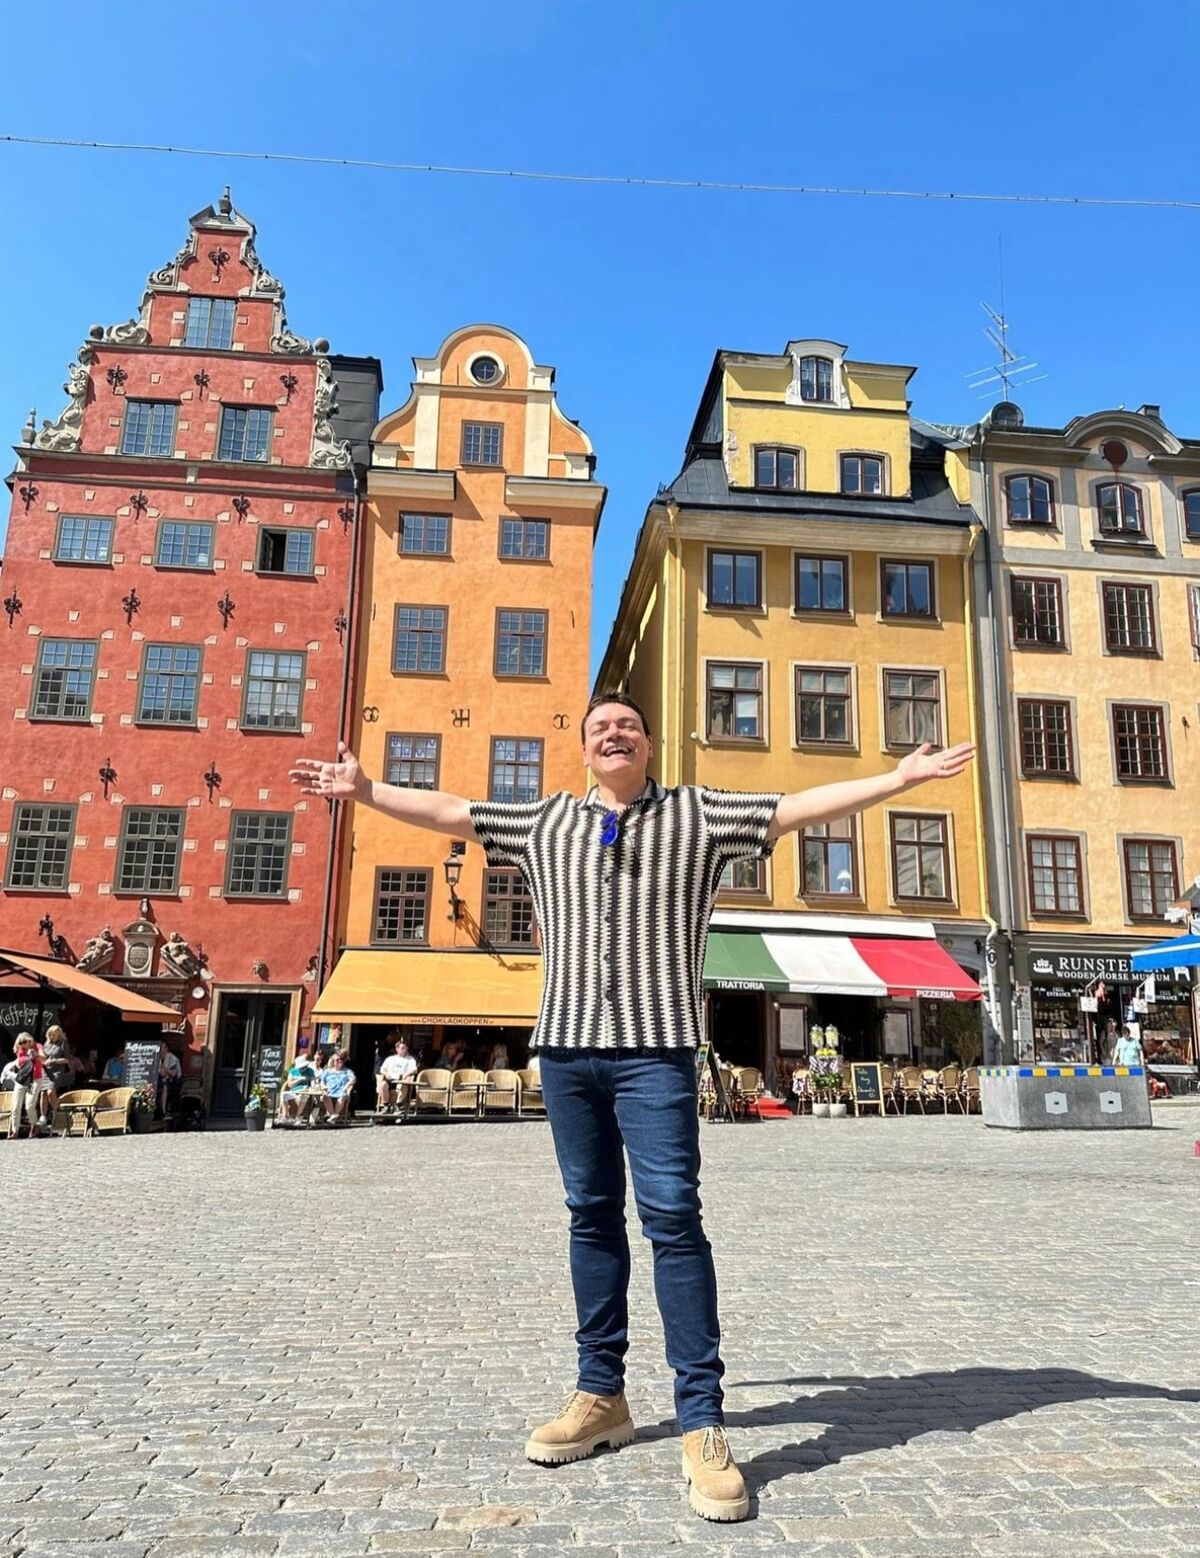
(796,613)
(473,661)
(1089,592)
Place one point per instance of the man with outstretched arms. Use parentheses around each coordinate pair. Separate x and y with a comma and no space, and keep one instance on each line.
(623,881)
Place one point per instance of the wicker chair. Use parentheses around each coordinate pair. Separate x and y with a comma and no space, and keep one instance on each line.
(529,1098)
(112,1111)
(503,1093)
(910,1087)
(748,1080)
(970,1089)
(73,1116)
(889,1087)
(464,1090)
(950,1088)
(6,1108)
(431,1095)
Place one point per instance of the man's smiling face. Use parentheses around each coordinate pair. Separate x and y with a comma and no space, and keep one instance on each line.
(615,743)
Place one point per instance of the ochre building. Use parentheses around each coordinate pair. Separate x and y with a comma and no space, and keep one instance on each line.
(797,613)
(473,674)
(1089,591)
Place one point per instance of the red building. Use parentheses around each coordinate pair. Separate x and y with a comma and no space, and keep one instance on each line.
(178,581)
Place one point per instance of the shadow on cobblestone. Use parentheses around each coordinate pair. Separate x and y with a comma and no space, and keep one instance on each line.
(886,1411)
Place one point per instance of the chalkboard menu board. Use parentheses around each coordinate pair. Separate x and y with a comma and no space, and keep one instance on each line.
(141,1063)
(866,1084)
(270,1066)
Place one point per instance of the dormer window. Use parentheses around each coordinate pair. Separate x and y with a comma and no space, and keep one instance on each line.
(862,473)
(1029,500)
(1120,508)
(210,323)
(816,379)
(777,468)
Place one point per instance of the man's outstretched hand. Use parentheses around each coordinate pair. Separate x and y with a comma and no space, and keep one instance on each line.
(340,781)
(925,763)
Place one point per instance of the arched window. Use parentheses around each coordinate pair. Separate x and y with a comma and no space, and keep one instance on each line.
(1120,508)
(1029,500)
(1191,514)
(816,378)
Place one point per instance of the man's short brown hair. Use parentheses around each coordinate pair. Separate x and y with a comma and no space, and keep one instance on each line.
(623,699)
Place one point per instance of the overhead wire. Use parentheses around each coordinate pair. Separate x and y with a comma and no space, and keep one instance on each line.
(640,181)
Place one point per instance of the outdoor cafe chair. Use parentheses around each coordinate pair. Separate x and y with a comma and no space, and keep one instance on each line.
(466,1090)
(502,1091)
(6,1109)
(529,1098)
(910,1087)
(970,1089)
(748,1081)
(113,1111)
(889,1086)
(73,1114)
(950,1087)
(431,1094)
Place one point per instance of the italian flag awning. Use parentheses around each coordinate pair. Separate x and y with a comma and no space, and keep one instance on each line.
(803,963)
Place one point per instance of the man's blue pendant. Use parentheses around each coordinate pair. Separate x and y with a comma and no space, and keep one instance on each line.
(612,828)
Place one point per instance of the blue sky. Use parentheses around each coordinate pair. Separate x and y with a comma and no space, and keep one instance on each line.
(628,291)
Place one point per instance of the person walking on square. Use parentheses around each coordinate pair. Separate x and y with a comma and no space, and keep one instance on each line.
(623,881)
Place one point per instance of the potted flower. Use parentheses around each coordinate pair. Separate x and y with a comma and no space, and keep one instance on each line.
(256,1109)
(825,1077)
(142,1108)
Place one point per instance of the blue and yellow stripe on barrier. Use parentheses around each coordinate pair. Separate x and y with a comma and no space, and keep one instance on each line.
(1063,1071)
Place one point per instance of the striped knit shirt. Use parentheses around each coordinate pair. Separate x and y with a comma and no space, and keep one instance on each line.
(624,926)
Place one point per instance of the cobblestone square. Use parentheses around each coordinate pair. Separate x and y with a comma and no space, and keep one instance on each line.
(939,1339)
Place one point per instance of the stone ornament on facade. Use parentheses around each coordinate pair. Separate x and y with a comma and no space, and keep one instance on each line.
(132,333)
(178,958)
(329,452)
(140,940)
(64,434)
(98,952)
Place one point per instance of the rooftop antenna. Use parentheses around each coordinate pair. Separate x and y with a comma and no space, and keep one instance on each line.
(997,381)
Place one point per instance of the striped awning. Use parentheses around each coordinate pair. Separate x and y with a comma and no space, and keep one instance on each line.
(807,964)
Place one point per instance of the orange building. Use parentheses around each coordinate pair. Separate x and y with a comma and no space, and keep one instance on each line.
(473,660)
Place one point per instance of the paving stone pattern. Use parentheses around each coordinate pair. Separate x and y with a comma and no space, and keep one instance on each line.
(940,1340)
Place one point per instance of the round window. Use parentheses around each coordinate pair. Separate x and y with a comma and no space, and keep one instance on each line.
(485,370)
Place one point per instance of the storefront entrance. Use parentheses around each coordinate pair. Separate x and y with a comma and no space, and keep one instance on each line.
(246,1023)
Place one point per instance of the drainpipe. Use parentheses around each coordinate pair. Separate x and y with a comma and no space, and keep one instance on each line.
(989,961)
(1001,785)
(675,551)
(337,822)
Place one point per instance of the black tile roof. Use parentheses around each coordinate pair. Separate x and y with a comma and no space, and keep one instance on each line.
(702,484)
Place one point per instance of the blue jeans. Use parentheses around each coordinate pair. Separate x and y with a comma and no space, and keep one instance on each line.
(646,1099)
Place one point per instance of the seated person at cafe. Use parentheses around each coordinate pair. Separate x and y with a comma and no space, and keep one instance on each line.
(113,1074)
(302,1073)
(396,1069)
(337,1081)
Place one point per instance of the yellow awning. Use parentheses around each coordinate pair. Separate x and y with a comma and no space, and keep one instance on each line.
(485,989)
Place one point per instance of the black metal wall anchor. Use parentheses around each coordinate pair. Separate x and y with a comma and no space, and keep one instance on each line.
(241,507)
(12,606)
(226,607)
(139,503)
(461,716)
(560,722)
(201,381)
(340,625)
(220,259)
(107,775)
(28,495)
(289,382)
(213,780)
(116,377)
(132,604)
(346,515)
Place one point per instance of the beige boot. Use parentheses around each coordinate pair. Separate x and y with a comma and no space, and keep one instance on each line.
(715,1486)
(584,1423)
